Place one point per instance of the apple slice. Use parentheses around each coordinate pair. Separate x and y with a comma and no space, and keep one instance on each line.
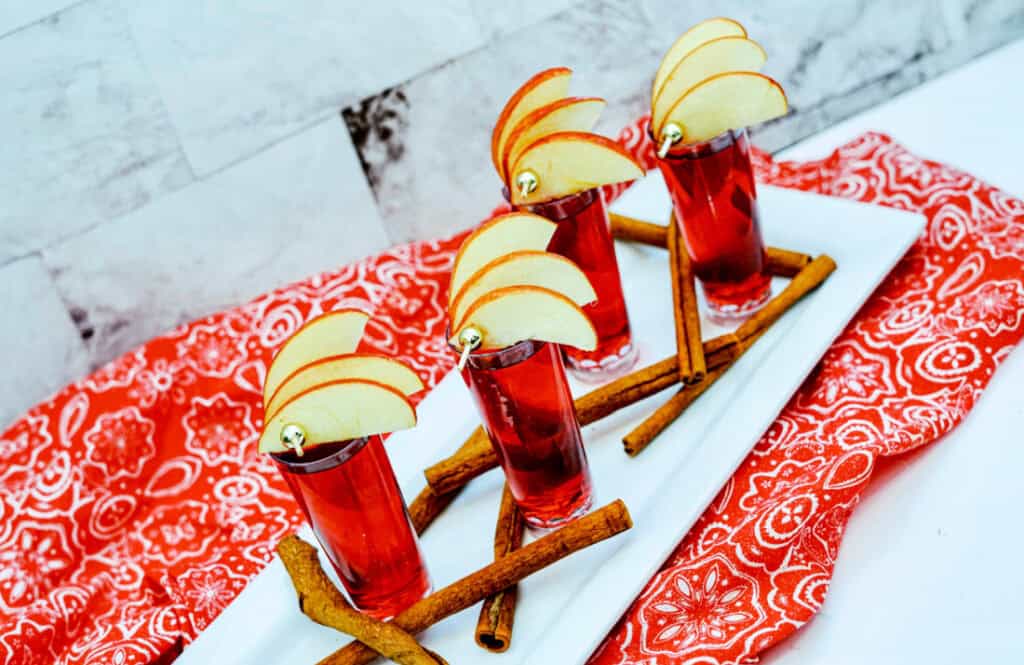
(727,101)
(517,313)
(530,268)
(329,334)
(542,89)
(339,411)
(512,232)
(363,366)
(565,163)
(573,114)
(725,54)
(705,31)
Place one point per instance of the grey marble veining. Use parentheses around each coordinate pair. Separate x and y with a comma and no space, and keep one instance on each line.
(429,167)
(87,137)
(238,76)
(297,209)
(41,347)
(15,14)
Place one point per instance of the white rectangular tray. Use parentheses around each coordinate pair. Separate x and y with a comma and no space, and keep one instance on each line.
(566,610)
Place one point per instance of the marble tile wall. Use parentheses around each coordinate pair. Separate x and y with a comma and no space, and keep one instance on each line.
(167,158)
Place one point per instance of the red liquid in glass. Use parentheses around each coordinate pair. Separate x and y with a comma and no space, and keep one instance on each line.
(715,201)
(527,410)
(350,496)
(584,237)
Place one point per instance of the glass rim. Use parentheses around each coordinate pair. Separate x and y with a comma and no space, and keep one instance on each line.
(527,348)
(691,150)
(562,201)
(302,465)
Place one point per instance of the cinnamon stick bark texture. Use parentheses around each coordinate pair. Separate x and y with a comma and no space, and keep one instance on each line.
(427,506)
(808,279)
(677,265)
(494,628)
(635,230)
(637,440)
(321,601)
(588,530)
(690,350)
(786,263)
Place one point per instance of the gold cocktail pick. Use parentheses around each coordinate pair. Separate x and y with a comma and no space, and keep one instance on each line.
(670,135)
(294,437)
(469,339)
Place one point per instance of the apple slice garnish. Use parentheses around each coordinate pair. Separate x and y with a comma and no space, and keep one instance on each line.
(543,88)
(573,114)
(726,101)
(362,366)
(725,54)
(529,268)
(338,411)
(565,163)
(330,334)
(512,232)
(705,31)
(514,314)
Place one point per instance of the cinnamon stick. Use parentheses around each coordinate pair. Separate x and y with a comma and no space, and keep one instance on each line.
(781,262)
(503,573)
(635,230)
(785,262)
(427,506)
(321,601)
(476,456)
(494,627)
(808,279)
(676,265)
(637,440)
(750,331)
(689,350)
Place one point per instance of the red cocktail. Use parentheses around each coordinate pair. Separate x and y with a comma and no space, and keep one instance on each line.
(715,201)
(584,237)
(350,496)
(527,410)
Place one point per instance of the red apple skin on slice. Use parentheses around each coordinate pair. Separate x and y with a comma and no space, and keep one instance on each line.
(542,88)
(329,334)
(732,100)
(570,162)
(362,366)
(572,114)
(528,268)
(339,411)
(514,314)
(703,32)
(511,232)
(718,56)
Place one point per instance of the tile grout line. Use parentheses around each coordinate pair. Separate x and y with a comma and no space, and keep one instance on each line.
(43,18)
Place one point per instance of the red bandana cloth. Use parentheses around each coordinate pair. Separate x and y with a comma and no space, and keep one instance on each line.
(135,506)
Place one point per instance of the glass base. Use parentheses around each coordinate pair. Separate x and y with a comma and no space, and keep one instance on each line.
(729,313)
(542,526)
(384,610)
(605,369)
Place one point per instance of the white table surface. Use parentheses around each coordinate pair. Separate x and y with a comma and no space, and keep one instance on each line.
(929,569)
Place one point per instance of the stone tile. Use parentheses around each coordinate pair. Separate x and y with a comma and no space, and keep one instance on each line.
(299,208)
(87,135)
(502,18)
(425,145)
(237,76)
(16,14)
(42,347)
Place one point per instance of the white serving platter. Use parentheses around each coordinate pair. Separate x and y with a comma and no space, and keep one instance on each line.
(567,609)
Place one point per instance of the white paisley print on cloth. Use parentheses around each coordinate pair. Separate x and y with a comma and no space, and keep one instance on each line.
(135,507)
